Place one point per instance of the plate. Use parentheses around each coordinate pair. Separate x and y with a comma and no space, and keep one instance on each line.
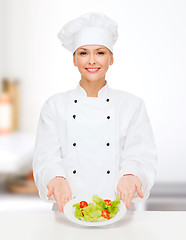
(69,213)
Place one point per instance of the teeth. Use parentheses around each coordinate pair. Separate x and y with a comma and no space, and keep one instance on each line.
(92,69)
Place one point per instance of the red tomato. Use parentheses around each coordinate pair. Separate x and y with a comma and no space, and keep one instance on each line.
(82,212)
(107,202)
(83,204)
(105,214)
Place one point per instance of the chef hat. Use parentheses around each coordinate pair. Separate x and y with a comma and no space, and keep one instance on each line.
(93,28)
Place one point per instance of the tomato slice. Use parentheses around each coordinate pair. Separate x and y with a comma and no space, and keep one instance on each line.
(105,214)
(107,202)
(83,204)
(82,212)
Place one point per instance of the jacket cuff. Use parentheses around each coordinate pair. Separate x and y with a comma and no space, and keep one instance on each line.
(52,173)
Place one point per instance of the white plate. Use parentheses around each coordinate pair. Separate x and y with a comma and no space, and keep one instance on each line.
(69,213)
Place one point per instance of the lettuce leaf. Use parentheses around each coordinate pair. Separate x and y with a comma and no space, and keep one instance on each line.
(99,202)
(92,213)
(113,209)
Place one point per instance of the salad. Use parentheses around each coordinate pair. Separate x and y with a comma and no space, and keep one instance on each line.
(98,211)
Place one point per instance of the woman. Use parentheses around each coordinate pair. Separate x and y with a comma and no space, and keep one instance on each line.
(93,139)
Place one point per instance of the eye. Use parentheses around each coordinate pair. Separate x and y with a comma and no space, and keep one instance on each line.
(100,53)
(82,53)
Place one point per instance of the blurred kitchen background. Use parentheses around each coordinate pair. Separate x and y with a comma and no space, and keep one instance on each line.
(149,62)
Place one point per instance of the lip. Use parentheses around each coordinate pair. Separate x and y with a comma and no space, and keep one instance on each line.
(94,70)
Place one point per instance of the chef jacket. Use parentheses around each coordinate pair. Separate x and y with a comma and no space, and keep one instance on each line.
(93,142)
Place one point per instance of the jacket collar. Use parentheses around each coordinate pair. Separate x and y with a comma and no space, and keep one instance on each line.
(102,93)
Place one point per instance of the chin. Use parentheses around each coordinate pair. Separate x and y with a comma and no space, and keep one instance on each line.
(93,79)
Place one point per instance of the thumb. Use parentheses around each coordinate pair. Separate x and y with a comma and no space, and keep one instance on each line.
(50,192)
(139,191)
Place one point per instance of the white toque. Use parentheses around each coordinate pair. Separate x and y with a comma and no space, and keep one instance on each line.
(93,28)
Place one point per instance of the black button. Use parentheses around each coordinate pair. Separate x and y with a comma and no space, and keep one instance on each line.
(108,117)
(108,172)
(108,144)
(74,144)
(107,100)
(74,116)
(75,101)
(74,172)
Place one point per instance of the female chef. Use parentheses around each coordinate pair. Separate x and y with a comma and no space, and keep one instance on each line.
(93,139)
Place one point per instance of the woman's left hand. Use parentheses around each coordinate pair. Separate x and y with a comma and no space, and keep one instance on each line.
(127,186)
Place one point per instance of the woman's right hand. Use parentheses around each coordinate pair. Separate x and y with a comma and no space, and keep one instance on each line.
(60,189)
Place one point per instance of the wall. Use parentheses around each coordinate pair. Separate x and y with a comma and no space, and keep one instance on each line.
(149,62)
(1,40)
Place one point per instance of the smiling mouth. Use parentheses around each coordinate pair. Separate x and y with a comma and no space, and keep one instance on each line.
(92,70)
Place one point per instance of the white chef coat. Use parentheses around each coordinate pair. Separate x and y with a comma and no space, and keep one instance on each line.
(93,141)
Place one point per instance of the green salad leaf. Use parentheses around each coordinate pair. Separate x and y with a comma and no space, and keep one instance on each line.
(93,212)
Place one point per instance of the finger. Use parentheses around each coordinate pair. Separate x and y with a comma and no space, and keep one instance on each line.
(139,191)
(119,194)
(59,202)
(60,205)
(129,199)
(50,192)
(124,197)
(64,201)
(70,196)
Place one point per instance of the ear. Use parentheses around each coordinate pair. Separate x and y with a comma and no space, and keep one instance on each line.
(74,60)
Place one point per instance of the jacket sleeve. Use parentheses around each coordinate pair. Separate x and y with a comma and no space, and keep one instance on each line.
(47,161)
(139,155)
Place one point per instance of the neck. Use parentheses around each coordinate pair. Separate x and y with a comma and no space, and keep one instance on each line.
(92,87)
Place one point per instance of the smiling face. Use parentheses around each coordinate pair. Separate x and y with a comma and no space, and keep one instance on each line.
(93,61)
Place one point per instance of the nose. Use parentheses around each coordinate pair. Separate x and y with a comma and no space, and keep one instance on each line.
(92,59)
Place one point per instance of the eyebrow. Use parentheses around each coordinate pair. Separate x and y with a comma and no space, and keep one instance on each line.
(87,49)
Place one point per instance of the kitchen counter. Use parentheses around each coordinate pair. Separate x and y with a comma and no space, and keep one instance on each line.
(135,225)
